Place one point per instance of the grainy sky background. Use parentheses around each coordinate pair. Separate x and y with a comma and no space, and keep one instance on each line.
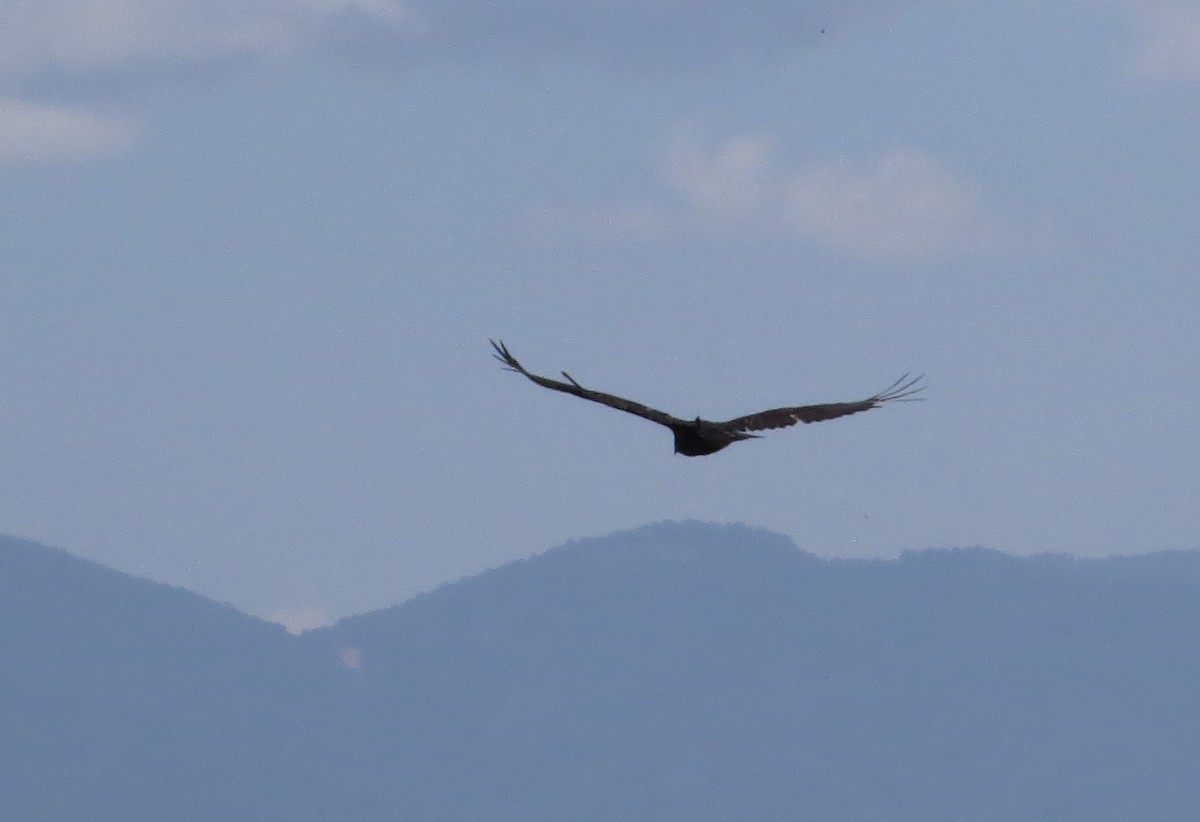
(251,253)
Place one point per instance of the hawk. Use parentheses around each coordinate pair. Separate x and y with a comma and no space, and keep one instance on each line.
(697,438)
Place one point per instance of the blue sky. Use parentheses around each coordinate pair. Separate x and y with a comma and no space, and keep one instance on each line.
(251,254)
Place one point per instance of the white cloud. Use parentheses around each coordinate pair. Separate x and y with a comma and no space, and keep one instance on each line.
(730,180)
(41,35)
(67,39)
(32,132)
(901,205)
(1170,40)
(45,35)
(299,620)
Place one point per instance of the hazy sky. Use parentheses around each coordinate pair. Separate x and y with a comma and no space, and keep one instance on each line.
(252,252)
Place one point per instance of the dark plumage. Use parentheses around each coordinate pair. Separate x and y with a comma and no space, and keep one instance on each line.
(695,438)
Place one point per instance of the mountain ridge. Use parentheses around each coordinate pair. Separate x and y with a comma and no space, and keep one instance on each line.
(675,671)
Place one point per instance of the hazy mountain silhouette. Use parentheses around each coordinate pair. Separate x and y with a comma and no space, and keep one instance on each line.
(675,672)
(124,699)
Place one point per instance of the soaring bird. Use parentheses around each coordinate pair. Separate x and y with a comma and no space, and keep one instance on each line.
(696,438)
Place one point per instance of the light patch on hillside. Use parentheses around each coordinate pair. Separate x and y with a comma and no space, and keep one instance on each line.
(299,620)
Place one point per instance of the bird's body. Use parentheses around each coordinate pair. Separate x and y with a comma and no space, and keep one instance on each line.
(698,437)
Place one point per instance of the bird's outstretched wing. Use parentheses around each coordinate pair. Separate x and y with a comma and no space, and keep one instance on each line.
(902,390)
(572,387)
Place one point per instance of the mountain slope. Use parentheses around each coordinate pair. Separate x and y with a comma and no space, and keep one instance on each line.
(122,698)
(675,672)
(692,672)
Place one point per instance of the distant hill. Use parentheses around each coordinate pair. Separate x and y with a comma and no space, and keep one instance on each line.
(680,671)
(124,699)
